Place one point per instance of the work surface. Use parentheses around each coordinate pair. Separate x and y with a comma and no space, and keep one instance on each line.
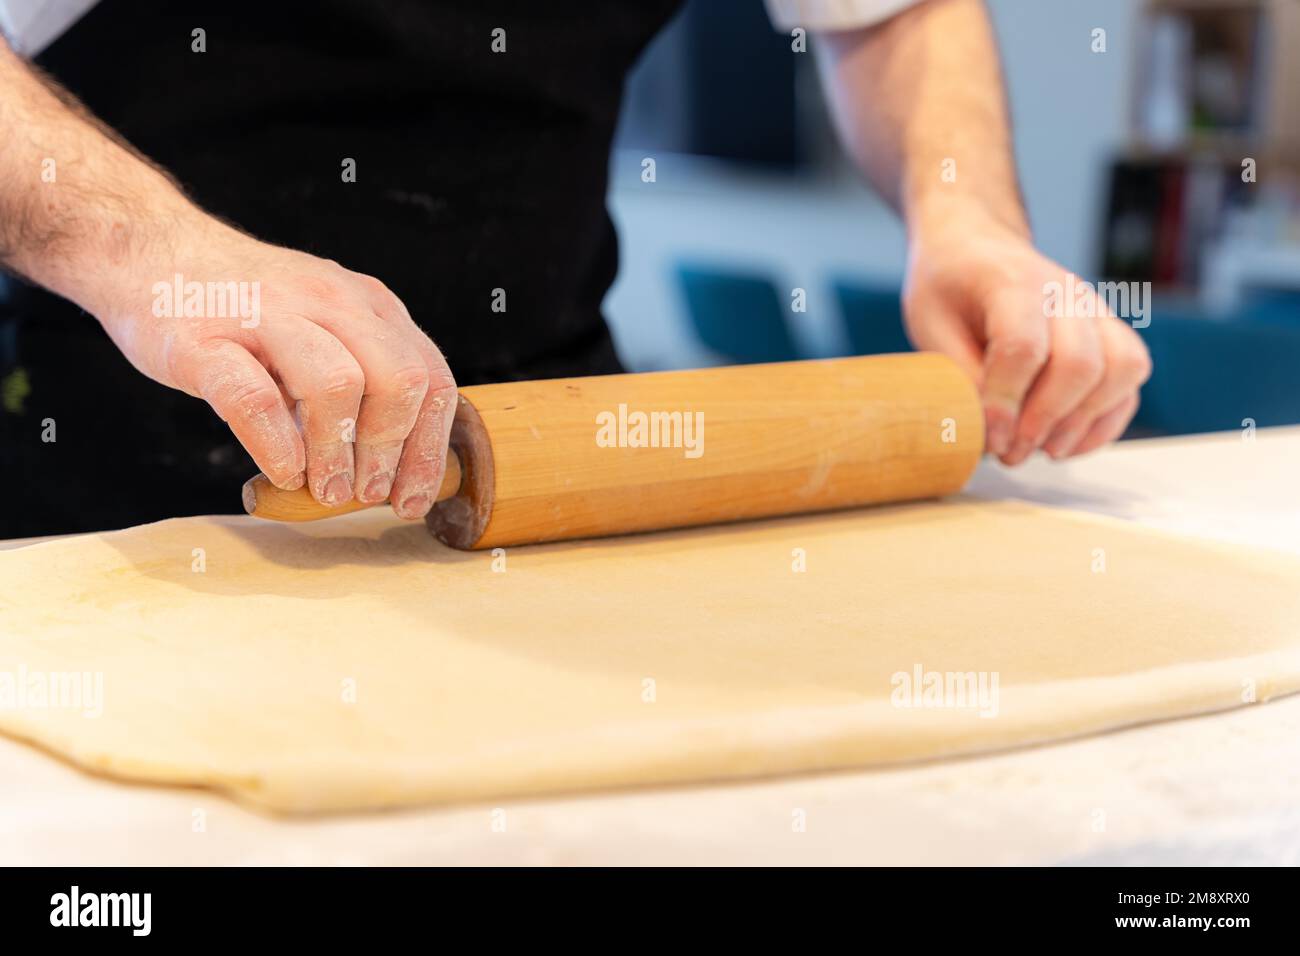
(1209,789)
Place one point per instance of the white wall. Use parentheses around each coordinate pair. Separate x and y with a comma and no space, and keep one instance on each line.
(1070,107)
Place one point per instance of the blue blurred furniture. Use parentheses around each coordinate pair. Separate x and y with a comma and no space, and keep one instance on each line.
(1211,374)
(873,317)
(1271,306)
(741,317)
(744,318)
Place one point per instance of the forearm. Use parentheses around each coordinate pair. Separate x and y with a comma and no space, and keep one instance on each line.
(920,104)
(79,210)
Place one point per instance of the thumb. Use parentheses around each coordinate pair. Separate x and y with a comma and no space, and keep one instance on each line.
(933,327)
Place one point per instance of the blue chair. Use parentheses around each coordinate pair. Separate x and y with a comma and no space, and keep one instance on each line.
(741,317)
(1270,306)
(873,317)
(1210,374)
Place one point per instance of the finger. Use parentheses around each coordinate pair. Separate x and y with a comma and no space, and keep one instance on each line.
(243,393)
(1128,366)
(1109,427)
(1073,370)
(947,333)
(1017,349)
(327,383)
(397,379)
(423,460)
(424,456)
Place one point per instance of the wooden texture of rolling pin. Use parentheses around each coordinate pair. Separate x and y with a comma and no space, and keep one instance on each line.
(586,457)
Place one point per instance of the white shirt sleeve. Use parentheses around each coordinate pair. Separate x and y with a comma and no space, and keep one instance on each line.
(833,14)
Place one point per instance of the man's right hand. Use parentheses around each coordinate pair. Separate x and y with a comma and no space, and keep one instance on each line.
(86,217)
(328,381)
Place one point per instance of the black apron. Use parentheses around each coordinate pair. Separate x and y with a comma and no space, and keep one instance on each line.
(475,171)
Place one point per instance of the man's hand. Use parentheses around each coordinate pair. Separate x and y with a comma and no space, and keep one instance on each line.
(920,105)
(372,396)
(978,291)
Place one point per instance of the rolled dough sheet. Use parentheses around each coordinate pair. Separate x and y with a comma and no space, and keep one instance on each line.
(357,663)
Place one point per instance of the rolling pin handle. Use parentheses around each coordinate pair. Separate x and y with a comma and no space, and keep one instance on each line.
(262,499)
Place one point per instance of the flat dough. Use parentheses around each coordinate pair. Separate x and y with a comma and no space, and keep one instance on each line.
(358,663)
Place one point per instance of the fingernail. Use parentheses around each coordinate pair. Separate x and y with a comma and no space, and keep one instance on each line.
(1021,450)
(338,490)
(1059,448)
(296,482)
(999,437)
(415,506)
(379,487)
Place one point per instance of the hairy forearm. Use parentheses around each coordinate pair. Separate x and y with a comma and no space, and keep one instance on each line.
(79,209)
(920,104)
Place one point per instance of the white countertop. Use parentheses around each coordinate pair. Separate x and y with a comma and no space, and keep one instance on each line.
(1221,789)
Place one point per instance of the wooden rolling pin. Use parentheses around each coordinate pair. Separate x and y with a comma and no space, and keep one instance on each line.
(586,457)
